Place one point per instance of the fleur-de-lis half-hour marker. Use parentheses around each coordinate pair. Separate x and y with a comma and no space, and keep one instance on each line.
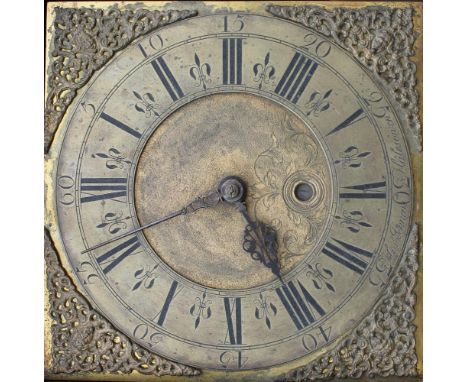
(353,221)
(114,158)
(318,103)
(351,157)
(113,222)
(264,73)
(146,104)
(265,309)
(201,309)
(200,72)
(145,279)
(321,277)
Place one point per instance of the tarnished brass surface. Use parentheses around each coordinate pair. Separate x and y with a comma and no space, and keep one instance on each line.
(214,137)
(142,209)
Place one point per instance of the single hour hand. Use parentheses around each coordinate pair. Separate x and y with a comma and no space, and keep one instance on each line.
(260,240)
(210,200)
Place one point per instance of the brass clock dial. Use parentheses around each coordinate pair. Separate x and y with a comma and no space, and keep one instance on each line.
(316,144)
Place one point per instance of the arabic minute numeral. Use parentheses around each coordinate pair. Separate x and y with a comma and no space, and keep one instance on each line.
(320,48)
(155,43)
(66,193)
(232,359)
(311,341)
(144,333)
(233,23)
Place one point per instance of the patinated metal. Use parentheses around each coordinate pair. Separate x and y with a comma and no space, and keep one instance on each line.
(158,269)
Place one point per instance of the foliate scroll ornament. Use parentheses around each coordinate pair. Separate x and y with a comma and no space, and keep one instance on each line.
(381,38)
(84,341)
(291,160)
(84,39)
(383,344)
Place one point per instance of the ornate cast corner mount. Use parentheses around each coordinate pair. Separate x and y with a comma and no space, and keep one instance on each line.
(383,344)
(83,41)
(84,341)
(381,38)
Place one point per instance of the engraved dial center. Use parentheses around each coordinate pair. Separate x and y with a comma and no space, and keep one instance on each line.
(281,163)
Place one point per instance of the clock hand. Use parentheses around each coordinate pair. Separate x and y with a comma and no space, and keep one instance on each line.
(260,239)
(210,200)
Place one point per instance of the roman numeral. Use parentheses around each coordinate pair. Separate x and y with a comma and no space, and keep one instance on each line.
(232,61)
(167,79)
(167,303)
(120,125)
(299,303)
(365,191)
(296,77)
(234,320)
(353,118)
(103,188)
(125,249)
(348,255)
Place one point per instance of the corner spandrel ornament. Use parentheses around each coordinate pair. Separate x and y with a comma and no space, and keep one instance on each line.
(383,344)
(381,38)
(83,41)
(84,341)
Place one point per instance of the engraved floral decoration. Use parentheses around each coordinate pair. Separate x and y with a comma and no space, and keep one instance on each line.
(114,158)
(292,159)
(201,309)
(265,309)
(200,72)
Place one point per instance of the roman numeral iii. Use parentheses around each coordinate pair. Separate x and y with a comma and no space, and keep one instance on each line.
(93,189)
(302,307)
(296,77)
(352,257)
